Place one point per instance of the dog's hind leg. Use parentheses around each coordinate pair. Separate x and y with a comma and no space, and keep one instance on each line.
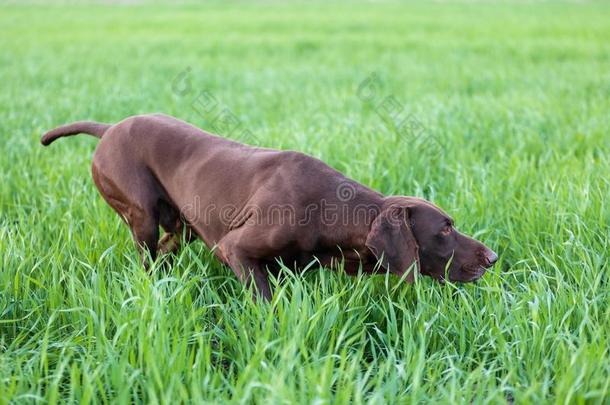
(145,230)
(175,228)
(168,244)
(135,198)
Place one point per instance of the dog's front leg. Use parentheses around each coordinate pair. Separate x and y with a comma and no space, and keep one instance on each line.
(248,271)
(246,268)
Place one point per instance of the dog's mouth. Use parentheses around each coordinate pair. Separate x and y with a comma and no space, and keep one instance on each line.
(462,267)
(477,269)
(463,274)
(468,273)
(473,270)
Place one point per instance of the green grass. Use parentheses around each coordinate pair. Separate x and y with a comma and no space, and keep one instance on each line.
(517,94)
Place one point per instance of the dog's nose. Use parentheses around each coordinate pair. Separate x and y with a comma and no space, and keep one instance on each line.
(491,257)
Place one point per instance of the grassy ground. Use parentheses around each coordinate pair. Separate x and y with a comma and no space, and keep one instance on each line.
(507,128)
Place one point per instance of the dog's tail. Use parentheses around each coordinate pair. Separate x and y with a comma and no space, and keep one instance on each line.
(81,127)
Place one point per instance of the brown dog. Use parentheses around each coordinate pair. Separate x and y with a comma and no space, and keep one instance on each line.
(258,207)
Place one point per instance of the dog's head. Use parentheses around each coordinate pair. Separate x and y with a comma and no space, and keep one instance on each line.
(413,234)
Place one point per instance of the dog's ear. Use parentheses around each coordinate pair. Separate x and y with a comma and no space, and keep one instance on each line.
(392,242)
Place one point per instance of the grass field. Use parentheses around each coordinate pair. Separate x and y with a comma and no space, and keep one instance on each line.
(510,105)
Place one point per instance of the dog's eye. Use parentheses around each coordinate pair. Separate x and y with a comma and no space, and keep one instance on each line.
(446,230)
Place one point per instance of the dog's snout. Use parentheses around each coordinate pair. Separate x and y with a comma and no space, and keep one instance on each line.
(491,257)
